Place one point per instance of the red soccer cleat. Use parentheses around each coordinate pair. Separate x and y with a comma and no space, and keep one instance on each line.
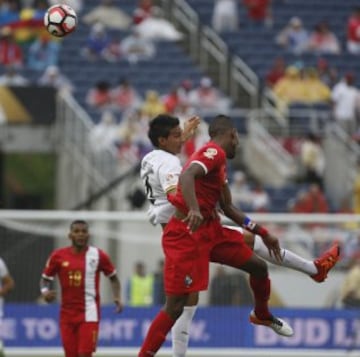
(326,262)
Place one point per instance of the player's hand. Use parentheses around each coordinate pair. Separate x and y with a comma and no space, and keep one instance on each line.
(193,219)
(118,305)
(272,244)
(190,127)
(49,296)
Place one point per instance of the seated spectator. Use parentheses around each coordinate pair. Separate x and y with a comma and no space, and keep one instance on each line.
(97,43)
(12,78)
(152,105)
(294,37)
(345,98)
(323,41)
(156,28)
(142,11)
(315,90)
(312,159)
(260,200)
(108,14)
(10,52)
(290,88)
(259,11)
(172,100)
(99,97)
(135,48)
(43,52)
(104,135)
(225,15)
(240,191)
(124,96)
(311,201)
(206,97)
(276,72)
(52,77)
(353,32)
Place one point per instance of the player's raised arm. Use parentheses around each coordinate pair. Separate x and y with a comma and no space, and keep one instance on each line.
(190,127)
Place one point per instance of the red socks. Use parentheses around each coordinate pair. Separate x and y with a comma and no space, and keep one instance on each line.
(156,335)
(261,290)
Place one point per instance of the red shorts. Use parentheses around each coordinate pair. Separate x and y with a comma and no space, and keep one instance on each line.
(79,338)
(187,256)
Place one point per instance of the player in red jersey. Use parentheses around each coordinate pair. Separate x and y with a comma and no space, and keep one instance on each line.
(194,236)
(78,269)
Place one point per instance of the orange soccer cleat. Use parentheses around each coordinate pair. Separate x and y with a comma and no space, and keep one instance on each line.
(326,262)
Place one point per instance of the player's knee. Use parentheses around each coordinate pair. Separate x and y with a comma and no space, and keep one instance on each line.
(260,269)
(175,309)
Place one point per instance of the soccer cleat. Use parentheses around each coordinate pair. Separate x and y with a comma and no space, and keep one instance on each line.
(326,262)
(278,325)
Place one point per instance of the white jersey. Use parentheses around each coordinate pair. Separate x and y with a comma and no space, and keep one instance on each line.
(160,172)
(3,272)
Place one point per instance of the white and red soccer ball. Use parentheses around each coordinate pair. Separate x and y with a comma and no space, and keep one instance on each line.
(60,20)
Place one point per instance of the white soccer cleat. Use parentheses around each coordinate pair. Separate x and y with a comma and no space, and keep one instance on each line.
(278,325)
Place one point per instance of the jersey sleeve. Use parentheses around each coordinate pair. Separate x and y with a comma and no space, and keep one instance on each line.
(210,158)
(52,266)
(169,174)
(105,264)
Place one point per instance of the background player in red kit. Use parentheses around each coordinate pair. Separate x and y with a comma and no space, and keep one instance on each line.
(78,268)
(194,236)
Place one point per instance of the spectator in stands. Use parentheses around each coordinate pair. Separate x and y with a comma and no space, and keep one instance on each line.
(140,287)
(350,290)
(52,77)
(276,72)
(353,32)
(97,43)
(156,28)
(12,78)
(99,97)
(225,16)
(241,191)
(315,90)
(311,201)
(327,74)
(259,11)
(345,98)
(206,97)
(108,14)
(356,191)
(10,52)
(142,11)
(312,159)
(323,41)
(294,36)
(124,96)
(43,52)
(290,88)
(260,200)
(172,100)
(152,105)
(104,135)
(135,48)
(184,90)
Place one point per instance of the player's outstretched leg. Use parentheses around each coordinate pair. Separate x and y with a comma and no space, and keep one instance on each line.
(317,269)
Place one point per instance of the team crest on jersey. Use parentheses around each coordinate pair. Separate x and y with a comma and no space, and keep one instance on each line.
(210,153)
(92,263)
(65,264)
(188,281)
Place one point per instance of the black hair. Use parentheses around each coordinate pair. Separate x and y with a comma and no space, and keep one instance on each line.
(161,126)
(220,125)
(77,221)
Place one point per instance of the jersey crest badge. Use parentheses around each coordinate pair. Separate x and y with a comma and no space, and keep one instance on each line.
(65,264)
(210,153)
(188,281)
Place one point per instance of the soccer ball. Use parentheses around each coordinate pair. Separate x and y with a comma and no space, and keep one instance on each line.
(60,20)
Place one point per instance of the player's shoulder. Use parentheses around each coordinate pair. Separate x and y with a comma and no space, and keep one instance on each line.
(210,150)
(158,157)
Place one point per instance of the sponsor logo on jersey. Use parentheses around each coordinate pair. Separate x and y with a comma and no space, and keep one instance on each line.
(210,153)
(65,264)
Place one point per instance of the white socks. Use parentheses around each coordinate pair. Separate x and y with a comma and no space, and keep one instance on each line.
(290,259)
(180,331)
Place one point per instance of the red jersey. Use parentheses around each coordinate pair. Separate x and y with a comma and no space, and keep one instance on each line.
(79,275)
(208,188)
(353,29)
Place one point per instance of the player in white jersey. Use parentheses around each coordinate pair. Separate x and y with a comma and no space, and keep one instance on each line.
(160,170)
(6,285)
